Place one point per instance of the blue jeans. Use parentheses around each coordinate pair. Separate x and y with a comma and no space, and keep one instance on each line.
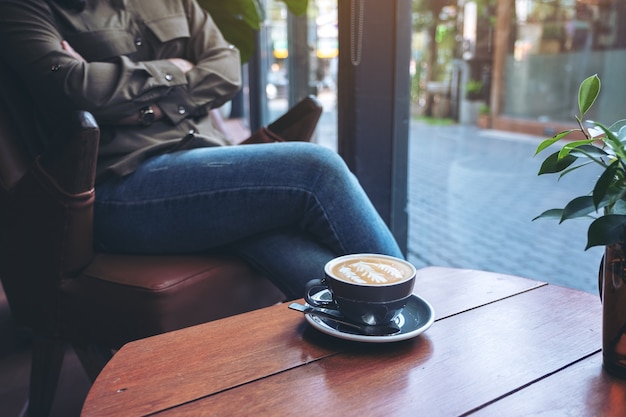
(286,208)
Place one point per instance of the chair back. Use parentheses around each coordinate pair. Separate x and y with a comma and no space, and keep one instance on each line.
(13,157)
(46,208)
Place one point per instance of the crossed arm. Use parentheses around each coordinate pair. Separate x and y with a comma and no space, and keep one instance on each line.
(115,90)
(184,65)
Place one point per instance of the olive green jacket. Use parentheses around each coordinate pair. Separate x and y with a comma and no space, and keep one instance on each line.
(126,44)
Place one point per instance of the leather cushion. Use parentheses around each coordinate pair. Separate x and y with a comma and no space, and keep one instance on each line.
(119,298)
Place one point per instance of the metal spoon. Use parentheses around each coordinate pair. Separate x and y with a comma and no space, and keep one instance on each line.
(383,330)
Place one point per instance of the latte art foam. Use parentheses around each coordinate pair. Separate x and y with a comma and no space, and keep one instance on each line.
(371,271)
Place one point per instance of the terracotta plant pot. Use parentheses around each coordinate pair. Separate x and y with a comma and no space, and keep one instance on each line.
(484,121)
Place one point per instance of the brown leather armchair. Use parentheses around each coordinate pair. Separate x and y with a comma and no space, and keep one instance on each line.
(65,293)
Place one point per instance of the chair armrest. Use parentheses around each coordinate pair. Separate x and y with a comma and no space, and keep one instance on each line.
(47,225)
(53,203)
(74,168)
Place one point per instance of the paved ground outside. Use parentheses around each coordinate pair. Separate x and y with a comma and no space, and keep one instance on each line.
(472,197)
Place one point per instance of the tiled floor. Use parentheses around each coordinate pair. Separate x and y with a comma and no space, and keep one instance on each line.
(472,197)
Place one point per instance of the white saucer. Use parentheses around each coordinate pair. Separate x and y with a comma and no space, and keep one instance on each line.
(416,317)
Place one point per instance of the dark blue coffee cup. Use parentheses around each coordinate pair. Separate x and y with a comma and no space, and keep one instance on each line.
(365,288)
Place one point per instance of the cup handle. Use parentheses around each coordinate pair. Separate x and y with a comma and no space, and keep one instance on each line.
(313,287)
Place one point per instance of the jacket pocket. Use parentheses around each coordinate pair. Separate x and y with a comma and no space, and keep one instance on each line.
(169,28)
(102,45)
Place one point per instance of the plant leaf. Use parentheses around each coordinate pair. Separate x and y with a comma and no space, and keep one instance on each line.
(569,147)
(618,127)
(552,213)
(249,11)
(297,7)
(553,164)
(621,133)
(604,182)
(567,171)
(589,151)
(610,138)
(613,142)
(238,20)
(548,142)
(578,207)
(587,93)
(606,230)
(613,202)
(619,207)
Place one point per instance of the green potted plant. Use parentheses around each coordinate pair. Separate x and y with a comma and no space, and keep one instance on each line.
(474,90)
(472,100)
(605,205)
(239,20)
(484,116)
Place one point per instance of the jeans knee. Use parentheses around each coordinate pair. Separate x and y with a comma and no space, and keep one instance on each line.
(329,161)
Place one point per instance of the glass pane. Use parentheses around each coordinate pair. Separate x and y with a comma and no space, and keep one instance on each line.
(277,84)
(322,65)
(474,192)
(556,45)
(472,197)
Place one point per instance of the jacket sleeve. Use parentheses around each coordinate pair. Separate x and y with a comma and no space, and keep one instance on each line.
(216,77)
(31,43)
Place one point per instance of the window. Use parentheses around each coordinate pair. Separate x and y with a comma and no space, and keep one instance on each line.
(474,192)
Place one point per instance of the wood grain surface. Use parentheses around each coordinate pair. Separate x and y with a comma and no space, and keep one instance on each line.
(495,337)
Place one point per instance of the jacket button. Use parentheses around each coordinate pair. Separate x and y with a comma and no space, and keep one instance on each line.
(182,110)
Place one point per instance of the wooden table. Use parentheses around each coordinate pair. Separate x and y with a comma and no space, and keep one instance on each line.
(501,346)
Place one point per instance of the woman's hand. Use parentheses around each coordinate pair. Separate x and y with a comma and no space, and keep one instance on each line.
(68,48)
(184,65)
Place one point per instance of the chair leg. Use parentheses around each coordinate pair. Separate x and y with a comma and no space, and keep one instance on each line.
(93,358)
(47,359)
